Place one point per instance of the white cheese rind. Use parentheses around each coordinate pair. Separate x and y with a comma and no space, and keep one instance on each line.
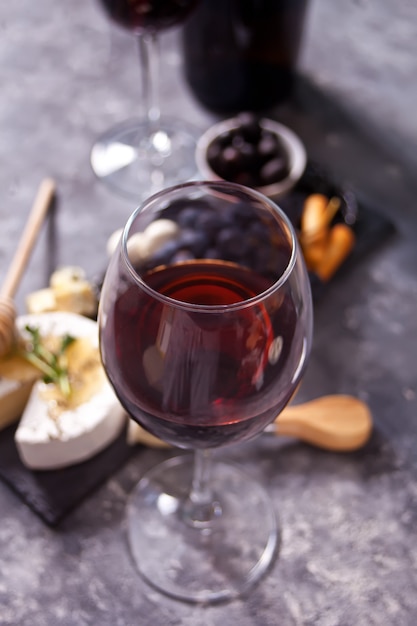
(75,435)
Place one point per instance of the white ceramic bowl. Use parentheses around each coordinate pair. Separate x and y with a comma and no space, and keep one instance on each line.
(291,143)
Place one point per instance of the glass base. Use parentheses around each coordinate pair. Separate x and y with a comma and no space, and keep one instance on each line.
(136,165)
(207,562)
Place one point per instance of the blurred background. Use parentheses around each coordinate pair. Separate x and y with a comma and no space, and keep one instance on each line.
(364,54)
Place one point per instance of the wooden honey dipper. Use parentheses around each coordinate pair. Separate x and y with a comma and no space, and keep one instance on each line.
(34,222)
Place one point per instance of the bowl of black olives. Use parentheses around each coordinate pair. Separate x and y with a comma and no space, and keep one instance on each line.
(252,151)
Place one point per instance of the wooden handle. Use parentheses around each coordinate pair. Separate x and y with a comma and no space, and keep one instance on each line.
(338,422)
(36,216)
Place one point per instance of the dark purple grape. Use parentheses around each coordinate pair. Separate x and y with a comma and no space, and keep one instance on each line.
(249,127)
(242,213)
(212,253)
(209,222)
(273,170)
(230,156)
(230,242)
(182,255)
(268,145)
(258,232)
(187,217)
(164,254)
(194,240)
(248,154)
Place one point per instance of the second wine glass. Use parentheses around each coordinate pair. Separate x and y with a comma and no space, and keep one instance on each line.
(140,157)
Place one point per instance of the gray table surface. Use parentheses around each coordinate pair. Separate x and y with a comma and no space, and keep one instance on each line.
(349,550)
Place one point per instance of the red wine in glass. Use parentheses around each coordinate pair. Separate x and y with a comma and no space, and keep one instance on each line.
(214,390)
(139,157)
(138,15)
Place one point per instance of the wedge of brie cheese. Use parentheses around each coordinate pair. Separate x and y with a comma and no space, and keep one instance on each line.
(55,430)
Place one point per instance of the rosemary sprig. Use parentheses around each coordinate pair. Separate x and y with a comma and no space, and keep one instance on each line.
(53,365)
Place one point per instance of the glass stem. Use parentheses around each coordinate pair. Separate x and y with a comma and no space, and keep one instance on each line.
(200,508)
(149,59)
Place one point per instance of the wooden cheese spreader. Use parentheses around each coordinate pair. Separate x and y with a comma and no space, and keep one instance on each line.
(340,423)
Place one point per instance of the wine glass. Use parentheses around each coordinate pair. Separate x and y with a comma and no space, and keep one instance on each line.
(139,157)
(205,328)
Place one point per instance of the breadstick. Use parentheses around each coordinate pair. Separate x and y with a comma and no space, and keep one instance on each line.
(314,212)
(340,243)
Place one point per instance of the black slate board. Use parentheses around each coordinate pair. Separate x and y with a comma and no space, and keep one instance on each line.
(52,494)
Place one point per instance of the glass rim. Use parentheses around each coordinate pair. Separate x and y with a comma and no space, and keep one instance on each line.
(211,308)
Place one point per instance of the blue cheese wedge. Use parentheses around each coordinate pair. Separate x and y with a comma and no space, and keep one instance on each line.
(55,430)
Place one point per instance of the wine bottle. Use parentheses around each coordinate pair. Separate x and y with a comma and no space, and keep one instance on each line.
(242,54)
